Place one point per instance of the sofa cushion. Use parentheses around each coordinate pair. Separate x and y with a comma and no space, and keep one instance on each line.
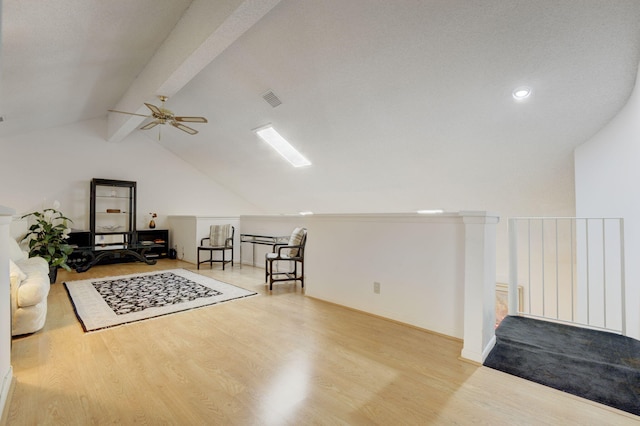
(33,264)
(29,320)
(15,274)
(35,287)
(15,252)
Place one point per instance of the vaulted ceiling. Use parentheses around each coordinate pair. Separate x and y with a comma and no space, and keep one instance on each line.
(399,105)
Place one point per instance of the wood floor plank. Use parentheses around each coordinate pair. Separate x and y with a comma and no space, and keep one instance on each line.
(278,358)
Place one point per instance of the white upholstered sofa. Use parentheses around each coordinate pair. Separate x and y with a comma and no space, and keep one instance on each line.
(29,290)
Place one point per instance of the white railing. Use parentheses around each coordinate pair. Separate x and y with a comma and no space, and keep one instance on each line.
(569,270)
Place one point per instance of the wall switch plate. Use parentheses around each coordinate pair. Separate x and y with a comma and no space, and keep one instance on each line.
(376,287)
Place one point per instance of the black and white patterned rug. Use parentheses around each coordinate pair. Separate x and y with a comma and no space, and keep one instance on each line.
(106,302)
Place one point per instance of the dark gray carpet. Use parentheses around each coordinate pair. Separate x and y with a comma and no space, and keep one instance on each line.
(600,366)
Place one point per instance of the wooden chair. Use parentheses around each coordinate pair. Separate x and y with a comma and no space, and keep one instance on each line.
(220,239)
(293,251)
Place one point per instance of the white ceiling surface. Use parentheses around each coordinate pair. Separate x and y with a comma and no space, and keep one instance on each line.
(69,60)
(399,105)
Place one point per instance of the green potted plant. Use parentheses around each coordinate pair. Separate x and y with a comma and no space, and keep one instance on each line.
(47,238)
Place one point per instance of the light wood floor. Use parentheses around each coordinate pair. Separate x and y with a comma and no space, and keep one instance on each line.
(273,359)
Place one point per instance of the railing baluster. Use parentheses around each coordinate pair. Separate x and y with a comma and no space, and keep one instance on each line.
(543,269)
(572,225)
(581,250)
(604,274)
(586,227)
(529,265)
(623,303)
(513,267)
(557,275)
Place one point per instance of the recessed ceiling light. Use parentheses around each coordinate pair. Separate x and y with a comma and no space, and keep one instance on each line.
(521,93)
(282,146)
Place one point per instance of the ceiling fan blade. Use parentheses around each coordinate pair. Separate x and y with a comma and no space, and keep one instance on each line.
(150,125)
(184,128)
(130,113)
(154,109)
(191,119)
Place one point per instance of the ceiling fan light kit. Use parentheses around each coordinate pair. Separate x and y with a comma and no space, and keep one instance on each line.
(162,115)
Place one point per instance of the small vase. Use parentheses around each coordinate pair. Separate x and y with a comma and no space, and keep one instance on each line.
(152,224)
(53,274)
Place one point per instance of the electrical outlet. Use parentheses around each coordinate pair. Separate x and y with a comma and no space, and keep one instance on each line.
(376,287)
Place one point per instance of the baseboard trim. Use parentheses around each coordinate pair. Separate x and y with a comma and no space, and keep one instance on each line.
(489,347)
(446,336)
(477,357)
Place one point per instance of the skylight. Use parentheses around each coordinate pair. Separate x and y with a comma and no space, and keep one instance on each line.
(280,144)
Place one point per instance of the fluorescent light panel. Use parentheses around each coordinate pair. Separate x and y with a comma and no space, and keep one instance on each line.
(284,148)
(431,211)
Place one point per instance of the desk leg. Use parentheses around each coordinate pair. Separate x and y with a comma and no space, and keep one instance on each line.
(254,255)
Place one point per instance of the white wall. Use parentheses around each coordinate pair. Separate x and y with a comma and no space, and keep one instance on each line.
(435,272)
(58,164)
(187,232)
(418,261)
(607,179)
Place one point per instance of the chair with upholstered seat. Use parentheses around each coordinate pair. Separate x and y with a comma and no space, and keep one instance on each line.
(220,239)
(293,251)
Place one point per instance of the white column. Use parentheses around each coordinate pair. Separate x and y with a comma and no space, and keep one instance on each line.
(6,372)
(479,284)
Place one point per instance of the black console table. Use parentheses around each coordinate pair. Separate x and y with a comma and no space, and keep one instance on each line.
(160,240)
(91,256)
(147,247)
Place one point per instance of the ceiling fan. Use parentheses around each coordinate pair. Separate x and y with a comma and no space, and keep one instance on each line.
(162,115)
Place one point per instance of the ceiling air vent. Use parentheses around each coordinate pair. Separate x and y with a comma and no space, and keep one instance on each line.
(271,98)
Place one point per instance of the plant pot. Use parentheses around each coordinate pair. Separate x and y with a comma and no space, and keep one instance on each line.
(53,274)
